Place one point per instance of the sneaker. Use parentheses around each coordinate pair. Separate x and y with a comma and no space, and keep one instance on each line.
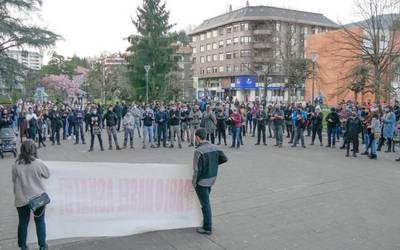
(191,145)
(180,146)
(203,231)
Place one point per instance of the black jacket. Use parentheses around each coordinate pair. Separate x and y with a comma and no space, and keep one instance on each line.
(335,120)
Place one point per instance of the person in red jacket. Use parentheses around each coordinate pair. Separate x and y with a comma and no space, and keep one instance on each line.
(236,120)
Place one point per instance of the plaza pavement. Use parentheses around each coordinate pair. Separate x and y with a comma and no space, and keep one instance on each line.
(265,198)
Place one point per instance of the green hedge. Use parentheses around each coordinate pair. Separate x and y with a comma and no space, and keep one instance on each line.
(5,100)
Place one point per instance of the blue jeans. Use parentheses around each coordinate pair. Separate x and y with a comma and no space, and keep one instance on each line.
(24,214)
(203,193)
(236,137)
(366,141)
(331,136)
(373,147)
(338,132)
(148,135)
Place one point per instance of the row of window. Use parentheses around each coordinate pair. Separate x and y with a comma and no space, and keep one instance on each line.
(245,40)
(244,67)
(222,31)
(224,56)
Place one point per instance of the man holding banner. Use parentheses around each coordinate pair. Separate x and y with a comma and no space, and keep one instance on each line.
(206,159)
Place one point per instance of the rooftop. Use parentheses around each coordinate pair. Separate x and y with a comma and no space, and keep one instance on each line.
(253,13)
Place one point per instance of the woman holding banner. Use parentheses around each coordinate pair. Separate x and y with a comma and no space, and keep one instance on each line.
(28,173)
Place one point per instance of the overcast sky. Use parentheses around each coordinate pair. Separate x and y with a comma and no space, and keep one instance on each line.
(90,27)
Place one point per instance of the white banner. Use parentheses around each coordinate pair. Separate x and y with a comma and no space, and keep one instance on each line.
(118,199)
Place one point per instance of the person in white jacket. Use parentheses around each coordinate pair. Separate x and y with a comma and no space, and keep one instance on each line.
(129,125)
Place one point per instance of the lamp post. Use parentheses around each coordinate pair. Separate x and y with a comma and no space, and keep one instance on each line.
(147,68)
(314,57)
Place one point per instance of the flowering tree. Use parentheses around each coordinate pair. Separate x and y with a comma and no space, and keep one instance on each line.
(63,83)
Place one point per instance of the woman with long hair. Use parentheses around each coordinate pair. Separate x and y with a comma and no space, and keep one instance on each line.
(28,173)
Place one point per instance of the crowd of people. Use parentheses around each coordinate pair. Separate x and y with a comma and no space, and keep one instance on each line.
(169,125)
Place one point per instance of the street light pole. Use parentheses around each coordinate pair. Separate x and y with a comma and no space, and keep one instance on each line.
(314,58)
(147,68)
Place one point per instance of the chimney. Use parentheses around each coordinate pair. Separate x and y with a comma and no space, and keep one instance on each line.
(247,3)
(230,8)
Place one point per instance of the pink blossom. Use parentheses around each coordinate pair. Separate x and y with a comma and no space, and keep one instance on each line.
(62,83)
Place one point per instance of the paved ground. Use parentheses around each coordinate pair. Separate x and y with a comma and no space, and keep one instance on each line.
(265,198)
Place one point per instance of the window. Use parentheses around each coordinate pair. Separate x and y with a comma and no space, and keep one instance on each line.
(215,46)
(245,39)
(202,48)
(208,46)
(277,41)
(202,37)
(235,54)
(215,69)
(221,69)
(194,39)
(244,26)
(201,71)
(221,56)
(221,44)
(221,31)
(278,27)
(228,29)
(245,53)
(277,68)
(209,58)
(305,30)
(228,68)
(214,33)
(236,27)
(194,60)
(235,40)
(236,68)
(202,60)
(215,57)
(209,70)
(293,28)
(228,55)
(209,35)
(194,50)
(277,53)
(228,42)
(245,67)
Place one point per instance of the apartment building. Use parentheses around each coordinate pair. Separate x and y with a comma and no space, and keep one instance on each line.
(241,53)
(32,60)
(183,57)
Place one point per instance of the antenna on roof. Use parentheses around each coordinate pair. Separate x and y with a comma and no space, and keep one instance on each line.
(230,8)
(247,3)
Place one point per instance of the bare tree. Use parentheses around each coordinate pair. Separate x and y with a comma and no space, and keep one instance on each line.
(373,41)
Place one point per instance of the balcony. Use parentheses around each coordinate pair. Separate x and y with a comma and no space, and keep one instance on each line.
(262,32)
(262,59)
(262,45)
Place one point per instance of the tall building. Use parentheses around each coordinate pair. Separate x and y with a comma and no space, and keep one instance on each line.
(32,60)
(241,53)
(184,75)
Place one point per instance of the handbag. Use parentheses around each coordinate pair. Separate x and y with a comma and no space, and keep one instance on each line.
(38,201)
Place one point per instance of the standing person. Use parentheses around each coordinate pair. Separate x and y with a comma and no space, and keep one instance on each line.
(64,117)
(79,115)
(96,126)
(375,129)
(111,120)
(236,120)
(128,124)
(249,121)
(161,120)
(28,173)
(353,128)
(31,119)
(185,123)
(278,117)
(262,119)
(333,121)
(137,114)
(41,130)
(195,120)
(288,121)
(221,125)
(206,159)
(389,125)
(209,122)
(175,125)
(300,126)
(148,118)
(317,119)
(118,110)
(254,111)
(56,124)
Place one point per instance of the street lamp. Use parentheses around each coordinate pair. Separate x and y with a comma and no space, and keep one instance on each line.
(147,68)
(314,57)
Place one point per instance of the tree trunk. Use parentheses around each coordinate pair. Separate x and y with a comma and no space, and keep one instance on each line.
(377,84)
(355,97)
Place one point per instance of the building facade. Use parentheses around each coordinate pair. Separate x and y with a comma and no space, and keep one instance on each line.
(241,54)
(32,60)
(183,58)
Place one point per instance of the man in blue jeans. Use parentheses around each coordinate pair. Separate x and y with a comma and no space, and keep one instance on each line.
(207,158)
(333,121)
